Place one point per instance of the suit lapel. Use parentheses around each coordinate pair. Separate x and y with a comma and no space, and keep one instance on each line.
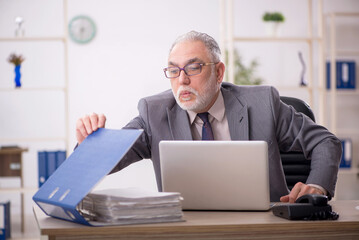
(179,123)
(237,116)
(236,112)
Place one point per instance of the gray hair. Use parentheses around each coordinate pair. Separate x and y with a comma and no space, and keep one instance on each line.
(208,41)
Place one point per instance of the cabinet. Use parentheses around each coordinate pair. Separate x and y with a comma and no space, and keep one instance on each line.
(313,44)
(35,115)
(11,166)
(342,105)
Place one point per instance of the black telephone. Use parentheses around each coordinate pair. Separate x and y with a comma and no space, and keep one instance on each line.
(307,207)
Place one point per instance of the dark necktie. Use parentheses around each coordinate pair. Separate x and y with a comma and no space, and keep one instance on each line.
(207,133)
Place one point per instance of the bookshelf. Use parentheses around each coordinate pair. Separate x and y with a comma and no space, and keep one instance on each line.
(324,101)
(348,179)
(311,40)
(39,94)
(11,163)
(334,53)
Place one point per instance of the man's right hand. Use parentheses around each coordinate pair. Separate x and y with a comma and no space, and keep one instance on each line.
(88,124)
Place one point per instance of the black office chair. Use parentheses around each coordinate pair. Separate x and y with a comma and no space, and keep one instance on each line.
(296,167)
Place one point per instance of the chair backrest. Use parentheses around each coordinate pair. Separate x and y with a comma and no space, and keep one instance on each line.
(296,167)
(299,105)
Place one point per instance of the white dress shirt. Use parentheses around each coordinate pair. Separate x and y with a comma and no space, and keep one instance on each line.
(217,118)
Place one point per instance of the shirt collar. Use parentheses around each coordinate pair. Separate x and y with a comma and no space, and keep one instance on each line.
(217,110)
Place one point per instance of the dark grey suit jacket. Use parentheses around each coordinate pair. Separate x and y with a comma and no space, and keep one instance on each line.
(253,113)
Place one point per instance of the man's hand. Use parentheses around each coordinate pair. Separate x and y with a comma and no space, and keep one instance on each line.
(299,190)
(88,124)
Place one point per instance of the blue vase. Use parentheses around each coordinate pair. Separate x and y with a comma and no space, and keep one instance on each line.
(17,76)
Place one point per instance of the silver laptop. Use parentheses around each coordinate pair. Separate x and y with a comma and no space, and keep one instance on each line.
(217,175)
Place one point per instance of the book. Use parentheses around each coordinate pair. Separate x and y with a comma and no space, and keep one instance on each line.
(131,206)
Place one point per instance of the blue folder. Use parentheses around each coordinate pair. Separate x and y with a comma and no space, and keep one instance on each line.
(5,226)
(345,74)
(48,162)
(60,158)
(51,163)
(346,160)
(42,162)
(92,160)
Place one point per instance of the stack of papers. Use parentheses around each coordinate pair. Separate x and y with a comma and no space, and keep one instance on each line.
(130,206)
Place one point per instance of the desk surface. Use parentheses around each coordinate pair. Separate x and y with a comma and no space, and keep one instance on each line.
(215,225)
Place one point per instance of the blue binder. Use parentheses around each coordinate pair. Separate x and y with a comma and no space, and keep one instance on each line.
(48,162)
(92,160)
(5,226)
(345,74)
(51,163)
(347,154)
(60,158)
(42,163)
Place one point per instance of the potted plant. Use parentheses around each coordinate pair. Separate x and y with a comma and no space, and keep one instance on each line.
(273,21)
(244,75)
(16,60)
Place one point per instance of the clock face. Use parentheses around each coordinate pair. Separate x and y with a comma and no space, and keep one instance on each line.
(82,29)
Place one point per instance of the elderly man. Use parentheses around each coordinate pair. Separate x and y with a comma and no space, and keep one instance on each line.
(234,113)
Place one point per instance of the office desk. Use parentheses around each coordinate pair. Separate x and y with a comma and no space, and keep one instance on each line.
(215,225)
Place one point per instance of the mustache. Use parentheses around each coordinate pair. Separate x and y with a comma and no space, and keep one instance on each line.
(186,88)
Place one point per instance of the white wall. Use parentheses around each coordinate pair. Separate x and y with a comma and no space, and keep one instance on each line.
(123,63)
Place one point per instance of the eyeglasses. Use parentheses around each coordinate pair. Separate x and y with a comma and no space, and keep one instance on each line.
(190,70)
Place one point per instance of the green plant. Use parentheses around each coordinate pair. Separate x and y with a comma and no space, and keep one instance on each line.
(274,17)
(244,75)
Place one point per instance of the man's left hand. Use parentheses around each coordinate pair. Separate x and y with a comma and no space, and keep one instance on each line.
(299,190)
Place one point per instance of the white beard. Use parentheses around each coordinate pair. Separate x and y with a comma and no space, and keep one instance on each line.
(202,101)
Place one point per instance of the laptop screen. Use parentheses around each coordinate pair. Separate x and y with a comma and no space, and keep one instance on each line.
(217,175)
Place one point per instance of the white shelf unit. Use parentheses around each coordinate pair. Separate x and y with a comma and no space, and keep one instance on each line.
(41,89)
(348,179)
(334,53)
(320,102)
(63,39)
(36,90)
(228,39)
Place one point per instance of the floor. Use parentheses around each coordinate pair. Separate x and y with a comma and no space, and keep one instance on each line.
(31,229)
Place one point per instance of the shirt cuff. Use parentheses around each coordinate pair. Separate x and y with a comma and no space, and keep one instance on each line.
(325,192)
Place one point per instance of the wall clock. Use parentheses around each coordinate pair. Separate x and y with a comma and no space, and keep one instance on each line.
(82,29)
